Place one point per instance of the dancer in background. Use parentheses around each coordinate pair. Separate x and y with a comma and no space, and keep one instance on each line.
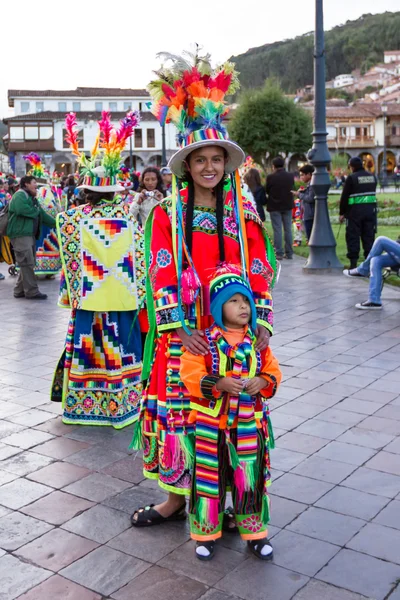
(98,376)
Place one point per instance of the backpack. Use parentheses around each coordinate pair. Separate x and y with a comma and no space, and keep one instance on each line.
(4,220)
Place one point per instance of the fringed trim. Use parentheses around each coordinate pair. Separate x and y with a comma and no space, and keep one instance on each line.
(271,437)
(265,509)
(207,511)
(137,442)
(176,447)
(246,477)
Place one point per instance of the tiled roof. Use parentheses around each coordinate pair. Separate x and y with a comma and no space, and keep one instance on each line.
(48,115)
(80,92)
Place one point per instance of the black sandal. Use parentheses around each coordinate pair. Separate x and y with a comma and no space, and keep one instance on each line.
(209,546)
(257,545)
(229,519)
(147,516)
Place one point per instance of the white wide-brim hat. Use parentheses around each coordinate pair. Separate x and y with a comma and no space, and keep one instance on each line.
(98,181)
(235,158)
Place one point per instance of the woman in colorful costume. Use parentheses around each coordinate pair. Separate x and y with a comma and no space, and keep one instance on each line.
(201,225)
(103,275)
(48,260)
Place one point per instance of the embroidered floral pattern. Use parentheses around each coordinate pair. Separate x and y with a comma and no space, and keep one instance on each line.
(252,523)
(257,267)
(163,258)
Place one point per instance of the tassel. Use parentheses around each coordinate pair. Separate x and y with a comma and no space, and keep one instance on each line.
(187,446)
(233,457)
(265,509)
(207,511)
(171,451)
(246,477)
(137,439)
(271,438)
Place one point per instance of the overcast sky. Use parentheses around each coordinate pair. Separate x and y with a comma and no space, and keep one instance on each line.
(62,45)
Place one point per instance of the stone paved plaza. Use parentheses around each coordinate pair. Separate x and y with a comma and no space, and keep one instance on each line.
(67,492)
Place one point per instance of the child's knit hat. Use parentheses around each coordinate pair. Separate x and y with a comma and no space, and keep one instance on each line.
(226,283)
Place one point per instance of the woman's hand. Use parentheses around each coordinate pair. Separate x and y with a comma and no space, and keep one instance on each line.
(140,198)
(158,196)
(262,335)
(255,385)
(230,385)
(195,343)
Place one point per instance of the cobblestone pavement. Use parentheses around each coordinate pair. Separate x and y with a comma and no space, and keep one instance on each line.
(67,492)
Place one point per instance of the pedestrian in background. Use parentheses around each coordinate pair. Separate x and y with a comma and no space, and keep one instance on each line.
(166,175)
(26,218)
(150,193)
(280,204)
(306,196)
(253,180)
(358,209)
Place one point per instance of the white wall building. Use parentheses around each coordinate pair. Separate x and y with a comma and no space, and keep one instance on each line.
(38,126)
(343,80)
(392,56)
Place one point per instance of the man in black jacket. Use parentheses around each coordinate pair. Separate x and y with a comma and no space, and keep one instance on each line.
(280,204)
(358,208)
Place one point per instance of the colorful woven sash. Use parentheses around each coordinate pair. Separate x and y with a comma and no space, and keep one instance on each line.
(243,458)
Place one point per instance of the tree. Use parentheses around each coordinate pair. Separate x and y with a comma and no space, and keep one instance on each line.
(267,121)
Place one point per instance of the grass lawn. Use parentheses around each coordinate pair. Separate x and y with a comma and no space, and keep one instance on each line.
(391,232)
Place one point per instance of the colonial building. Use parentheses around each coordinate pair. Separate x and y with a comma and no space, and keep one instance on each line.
(361,130)
(38,126)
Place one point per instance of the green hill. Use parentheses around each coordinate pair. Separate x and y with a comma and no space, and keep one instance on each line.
(355,45)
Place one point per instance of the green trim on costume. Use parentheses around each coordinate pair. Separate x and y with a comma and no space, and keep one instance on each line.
(250,524)
(197,529)
(68,421)
(266,325)
(63,263)
(151,311)
(173,489)
(148,475)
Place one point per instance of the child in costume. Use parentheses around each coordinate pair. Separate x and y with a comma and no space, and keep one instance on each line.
(297,222)
(205,222)
(229,389)
(98,376)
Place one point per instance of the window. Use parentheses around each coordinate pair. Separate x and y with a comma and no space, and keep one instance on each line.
(24,106)
(46,132)
(98,106)
(80,138)
(113,105)
(39,106)
(76,106)
(127,106)
(16,133)
(343,132)
(31,132)
(140,105)
(62,106)
(151,138)
(138,138)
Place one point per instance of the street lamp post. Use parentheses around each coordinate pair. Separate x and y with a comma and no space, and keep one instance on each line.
(384,161)
(164,149)
(322,257)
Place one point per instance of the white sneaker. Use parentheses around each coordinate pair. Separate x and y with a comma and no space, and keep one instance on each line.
(352,273)
(369,306)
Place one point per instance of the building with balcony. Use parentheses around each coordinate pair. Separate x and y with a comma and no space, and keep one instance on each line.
(38,126)
(361,129)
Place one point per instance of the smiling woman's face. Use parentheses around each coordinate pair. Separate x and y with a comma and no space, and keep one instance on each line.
(207,166)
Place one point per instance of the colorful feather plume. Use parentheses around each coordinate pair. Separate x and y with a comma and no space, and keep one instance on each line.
(190,93)
(36,162)
(109,143)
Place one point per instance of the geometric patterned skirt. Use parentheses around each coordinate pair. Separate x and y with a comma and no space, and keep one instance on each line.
(98,376)
(48,261)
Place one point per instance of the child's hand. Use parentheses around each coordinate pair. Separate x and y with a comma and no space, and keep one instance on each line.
(255,385)
(230,385)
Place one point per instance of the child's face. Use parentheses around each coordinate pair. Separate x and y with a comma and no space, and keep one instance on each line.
(236,312)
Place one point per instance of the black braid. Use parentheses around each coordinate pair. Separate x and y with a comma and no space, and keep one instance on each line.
(219,194)
(189,215)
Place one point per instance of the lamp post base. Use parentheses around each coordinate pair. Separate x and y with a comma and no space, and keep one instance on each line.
(322,260)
